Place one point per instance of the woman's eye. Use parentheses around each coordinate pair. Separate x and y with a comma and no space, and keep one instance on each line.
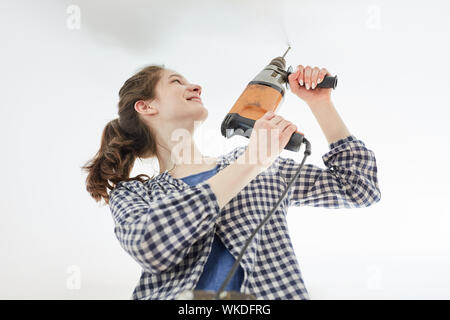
(177,80)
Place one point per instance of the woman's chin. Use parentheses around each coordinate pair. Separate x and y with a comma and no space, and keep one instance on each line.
(202,113)
(196,111)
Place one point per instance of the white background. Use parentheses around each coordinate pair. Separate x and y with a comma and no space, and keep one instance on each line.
(59,88)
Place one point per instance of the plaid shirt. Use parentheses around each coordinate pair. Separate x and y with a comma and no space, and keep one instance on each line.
(168,226)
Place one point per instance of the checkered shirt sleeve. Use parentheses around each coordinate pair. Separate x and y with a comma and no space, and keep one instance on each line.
(158,232)
(348,181)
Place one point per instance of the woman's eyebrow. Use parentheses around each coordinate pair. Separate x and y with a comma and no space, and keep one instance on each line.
(176,75)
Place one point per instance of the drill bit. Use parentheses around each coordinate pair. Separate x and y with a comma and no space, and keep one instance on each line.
(286,52)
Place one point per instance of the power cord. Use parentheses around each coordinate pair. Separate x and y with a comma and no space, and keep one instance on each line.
(238,260)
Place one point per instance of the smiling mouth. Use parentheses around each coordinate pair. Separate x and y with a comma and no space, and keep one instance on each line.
(195,99)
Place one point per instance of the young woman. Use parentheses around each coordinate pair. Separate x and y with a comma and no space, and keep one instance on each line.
(186,225)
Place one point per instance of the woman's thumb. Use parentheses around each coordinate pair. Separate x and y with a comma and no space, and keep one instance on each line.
(294,74)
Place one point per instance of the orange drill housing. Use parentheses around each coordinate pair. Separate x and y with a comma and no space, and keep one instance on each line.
(264,93)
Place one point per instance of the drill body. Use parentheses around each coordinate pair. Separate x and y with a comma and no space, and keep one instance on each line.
(264,93)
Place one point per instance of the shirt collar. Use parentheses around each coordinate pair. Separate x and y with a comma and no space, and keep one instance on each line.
(165,176)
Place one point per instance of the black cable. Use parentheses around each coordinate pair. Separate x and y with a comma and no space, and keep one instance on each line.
(238,260)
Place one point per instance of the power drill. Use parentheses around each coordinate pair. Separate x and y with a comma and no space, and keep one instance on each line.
(265,93)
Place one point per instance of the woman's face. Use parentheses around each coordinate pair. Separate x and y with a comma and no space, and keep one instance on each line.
(173,105)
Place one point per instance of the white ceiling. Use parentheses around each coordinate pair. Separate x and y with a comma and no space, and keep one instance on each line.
(60,87)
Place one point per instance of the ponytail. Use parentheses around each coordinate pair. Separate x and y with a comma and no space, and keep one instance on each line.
(123,139)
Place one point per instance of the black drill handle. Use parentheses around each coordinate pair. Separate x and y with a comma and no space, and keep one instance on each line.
(295,142)
(328,82)
(234,124)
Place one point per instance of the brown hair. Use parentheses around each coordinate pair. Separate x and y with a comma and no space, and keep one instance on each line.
(125,138)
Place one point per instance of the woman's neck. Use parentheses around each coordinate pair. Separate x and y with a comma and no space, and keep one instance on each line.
(187,170)
(183,160)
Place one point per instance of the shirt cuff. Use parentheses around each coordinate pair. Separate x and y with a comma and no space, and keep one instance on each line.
(341,141)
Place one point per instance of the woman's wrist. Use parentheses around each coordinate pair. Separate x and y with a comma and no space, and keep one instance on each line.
(251,162)
(329,121)
(318,103)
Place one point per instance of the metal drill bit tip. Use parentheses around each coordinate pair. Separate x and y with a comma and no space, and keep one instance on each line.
(286,52)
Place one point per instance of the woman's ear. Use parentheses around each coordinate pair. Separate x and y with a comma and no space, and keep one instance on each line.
(144,107)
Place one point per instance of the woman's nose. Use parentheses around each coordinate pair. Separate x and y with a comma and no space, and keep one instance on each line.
(197,88)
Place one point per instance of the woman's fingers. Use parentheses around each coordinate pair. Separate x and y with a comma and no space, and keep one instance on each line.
(276,120)
(322,74)
(287,134)
(300,74)
(285,129)
(307,77)
(283,124)
(269,115)
(280,123)
(314,75)
(310,77)
(271,132)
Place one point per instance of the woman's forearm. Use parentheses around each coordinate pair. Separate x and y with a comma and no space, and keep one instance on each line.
(329,120)
(228,182)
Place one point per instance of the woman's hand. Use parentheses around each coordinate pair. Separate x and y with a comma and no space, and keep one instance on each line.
(303,83)
(270,134)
